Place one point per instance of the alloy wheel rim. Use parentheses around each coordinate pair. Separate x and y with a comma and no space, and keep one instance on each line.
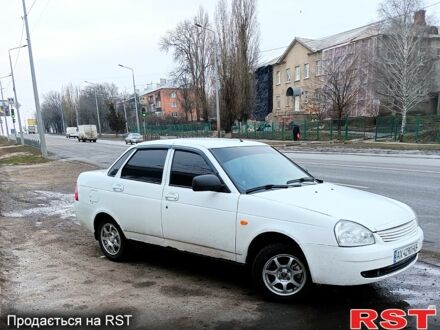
(111,239)
(284,275)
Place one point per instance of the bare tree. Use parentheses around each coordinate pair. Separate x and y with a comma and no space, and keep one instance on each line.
(51,111)
(192,50)
(316,107)
(404,62)
(186,96)
(340,80)
(238,41)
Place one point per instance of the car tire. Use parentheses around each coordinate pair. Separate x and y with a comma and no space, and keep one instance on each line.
(79,140)
(281,274)
(94,141)
(112,240)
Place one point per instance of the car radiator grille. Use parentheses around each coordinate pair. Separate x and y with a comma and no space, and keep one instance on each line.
(399,232)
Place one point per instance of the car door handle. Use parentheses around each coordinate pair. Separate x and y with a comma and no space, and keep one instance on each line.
(172,196)
(118,187)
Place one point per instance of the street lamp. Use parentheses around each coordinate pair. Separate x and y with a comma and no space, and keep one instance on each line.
(97,108)
(135,98)
(15,92)
(3,106)
(217,78)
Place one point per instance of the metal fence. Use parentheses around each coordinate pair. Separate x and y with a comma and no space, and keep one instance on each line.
(176,130)
(28,141)
(419,129)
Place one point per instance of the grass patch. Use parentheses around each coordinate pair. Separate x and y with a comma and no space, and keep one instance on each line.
(12,154)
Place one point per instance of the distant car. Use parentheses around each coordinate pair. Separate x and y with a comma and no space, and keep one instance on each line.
(87,133)
(133,138)
(71,132)
(246,202)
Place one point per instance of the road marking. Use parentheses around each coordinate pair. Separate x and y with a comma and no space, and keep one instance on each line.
(349,185)
(371,167)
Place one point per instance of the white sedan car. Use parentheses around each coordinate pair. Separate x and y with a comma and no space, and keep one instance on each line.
(246,202)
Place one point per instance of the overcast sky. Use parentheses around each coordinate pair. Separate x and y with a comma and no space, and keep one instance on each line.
(77,40)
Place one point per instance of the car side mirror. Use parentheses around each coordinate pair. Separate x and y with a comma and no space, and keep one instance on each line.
(207,182)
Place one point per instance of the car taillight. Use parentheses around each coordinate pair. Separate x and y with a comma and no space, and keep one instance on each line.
(76,192)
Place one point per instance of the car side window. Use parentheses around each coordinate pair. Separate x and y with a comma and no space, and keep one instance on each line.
(186,165)
(116,166)
(146,165)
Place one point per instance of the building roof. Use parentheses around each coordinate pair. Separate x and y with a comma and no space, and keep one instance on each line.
(145,92)
(204,142)
(316,45)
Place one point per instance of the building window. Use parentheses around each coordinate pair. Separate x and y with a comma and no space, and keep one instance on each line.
(173,105)
(318,68)
(158,104)
(306,97)
(173,95)
(296,103)
(278,79)
(297,73)
(306,70)
(174,114)
(287,75)
(277,102)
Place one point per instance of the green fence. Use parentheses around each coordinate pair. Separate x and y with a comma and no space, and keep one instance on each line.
(423,129)
(152,132)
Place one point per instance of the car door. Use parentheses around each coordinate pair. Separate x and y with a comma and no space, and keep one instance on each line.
(201,222)
(139,193)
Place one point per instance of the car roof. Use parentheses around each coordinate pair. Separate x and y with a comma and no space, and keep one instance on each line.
(208,143)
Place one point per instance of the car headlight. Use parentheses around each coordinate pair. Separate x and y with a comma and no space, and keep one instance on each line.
(349,234)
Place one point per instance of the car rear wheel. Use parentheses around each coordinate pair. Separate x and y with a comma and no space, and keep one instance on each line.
(112,240)
(280,272)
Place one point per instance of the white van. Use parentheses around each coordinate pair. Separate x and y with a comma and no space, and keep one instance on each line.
(71,132)
(87,133)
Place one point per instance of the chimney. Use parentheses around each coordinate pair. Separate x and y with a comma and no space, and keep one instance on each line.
(419,17)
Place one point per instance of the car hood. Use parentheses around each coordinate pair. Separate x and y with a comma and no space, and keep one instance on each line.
(370,210)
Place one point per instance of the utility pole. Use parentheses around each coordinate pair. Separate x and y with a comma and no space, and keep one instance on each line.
(17,105)
(4,109)
(97,107)
(62,116)
(34,85)
(125,115)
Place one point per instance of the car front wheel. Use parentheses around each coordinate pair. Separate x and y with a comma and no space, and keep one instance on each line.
(112,240)
(280,272)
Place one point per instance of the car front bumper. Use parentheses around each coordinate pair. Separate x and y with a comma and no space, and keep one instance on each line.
(336,265)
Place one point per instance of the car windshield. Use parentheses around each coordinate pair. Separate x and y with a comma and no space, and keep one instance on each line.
(259,166)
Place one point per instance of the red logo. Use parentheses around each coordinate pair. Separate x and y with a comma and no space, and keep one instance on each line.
(392,318)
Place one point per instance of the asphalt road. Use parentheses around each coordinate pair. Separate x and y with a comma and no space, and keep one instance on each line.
(412,179)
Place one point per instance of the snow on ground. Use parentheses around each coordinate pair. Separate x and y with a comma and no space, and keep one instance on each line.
(49,203)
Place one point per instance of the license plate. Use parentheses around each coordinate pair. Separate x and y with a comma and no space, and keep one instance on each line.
(402,253)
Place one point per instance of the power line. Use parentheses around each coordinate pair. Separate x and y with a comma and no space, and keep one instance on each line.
(19,44)
(32,6)
(269,50)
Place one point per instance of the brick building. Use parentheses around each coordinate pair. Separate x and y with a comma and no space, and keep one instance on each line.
(168,102)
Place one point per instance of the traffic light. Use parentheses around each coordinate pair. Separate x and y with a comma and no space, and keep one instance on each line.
(13,115)
(143,112)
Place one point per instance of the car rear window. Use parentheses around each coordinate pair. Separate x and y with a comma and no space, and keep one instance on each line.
(146,165)
(116,166)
